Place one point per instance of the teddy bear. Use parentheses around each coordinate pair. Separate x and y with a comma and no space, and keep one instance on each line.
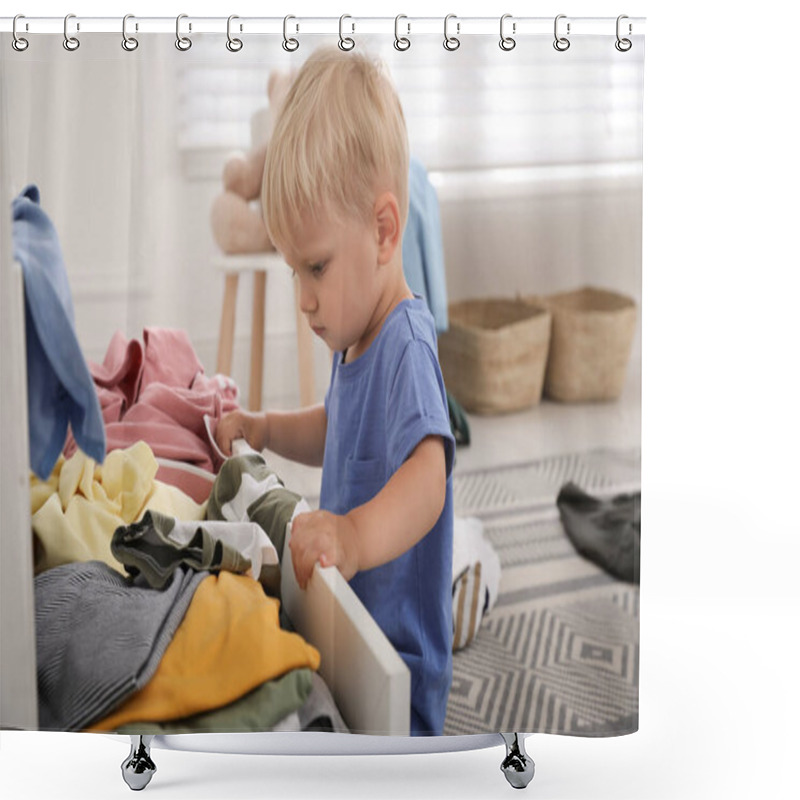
(237,221)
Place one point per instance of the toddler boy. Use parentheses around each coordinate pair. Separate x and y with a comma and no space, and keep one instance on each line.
(335,199)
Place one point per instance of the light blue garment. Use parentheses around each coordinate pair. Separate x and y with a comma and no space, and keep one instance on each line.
(60,387)
(423,253)
(379,408)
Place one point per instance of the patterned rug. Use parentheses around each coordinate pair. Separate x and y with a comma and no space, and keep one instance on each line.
(559,652)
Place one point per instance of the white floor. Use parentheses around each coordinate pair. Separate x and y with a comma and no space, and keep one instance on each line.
(546,429)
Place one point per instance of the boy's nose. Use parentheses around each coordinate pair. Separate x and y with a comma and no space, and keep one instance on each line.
(308,302)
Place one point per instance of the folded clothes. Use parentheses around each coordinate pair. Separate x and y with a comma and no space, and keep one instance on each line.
(607,532)
(99,639)
(229,643)
(259,710)
(157,544)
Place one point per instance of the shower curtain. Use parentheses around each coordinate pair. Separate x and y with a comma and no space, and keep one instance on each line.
(132,166)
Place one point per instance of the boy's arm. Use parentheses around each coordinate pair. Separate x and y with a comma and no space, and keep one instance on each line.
(382,529)
(297,435)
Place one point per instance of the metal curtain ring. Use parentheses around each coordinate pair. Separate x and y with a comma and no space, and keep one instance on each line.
(623,45)
(183,43)
(401,42)
(561,43)
(129,43)
(346,42)
(234,45)
(289,44)
(507,42)
(17,42)
(71,43)
(451,42)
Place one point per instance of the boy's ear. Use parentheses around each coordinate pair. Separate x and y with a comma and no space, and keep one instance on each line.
(387,226)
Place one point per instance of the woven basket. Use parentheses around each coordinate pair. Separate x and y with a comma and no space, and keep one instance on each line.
(590,346)
(494,353)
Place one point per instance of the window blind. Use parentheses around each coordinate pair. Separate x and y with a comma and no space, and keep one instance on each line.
(463,109)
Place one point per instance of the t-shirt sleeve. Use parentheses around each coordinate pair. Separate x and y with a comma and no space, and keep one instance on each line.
(417,405)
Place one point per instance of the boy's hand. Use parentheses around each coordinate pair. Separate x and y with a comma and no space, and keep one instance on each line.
(324,537)
(240,425)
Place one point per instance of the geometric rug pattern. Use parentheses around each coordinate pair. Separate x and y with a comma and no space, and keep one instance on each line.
(559,652)
(535,484)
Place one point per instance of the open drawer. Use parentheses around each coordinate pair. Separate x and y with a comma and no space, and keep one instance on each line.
(370,683)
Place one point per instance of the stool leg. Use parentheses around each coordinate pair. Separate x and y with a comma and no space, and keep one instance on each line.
(257,339)
(226,327)
(305,353)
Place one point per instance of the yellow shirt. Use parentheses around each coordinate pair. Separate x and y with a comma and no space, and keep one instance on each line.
(77,509)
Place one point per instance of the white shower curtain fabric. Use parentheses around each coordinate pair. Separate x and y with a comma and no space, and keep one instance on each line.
(523,246)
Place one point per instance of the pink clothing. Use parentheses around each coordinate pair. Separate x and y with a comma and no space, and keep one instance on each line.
(169,359)
(159,393)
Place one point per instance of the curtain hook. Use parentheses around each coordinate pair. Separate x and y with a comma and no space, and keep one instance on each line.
(561,43)
(401,42)
(346,42)
(234,45)
(17,42)
(129,43)
(507,42)
(71,43)
(451,42)
(183,43)
(289,44)
(623,45)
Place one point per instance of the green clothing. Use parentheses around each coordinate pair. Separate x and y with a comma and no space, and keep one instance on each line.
(145,548)
(247,489)
(258,710)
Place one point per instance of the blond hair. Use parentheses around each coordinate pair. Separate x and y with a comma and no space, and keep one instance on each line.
(339,139)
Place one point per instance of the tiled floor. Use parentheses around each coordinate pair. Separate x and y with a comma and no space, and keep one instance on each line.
(546,429)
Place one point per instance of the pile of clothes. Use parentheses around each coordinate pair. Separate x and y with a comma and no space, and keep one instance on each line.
(158,614)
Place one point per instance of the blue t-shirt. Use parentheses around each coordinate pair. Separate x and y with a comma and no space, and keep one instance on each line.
(379,408)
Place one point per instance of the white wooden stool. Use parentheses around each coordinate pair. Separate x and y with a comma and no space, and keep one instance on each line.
(260,264)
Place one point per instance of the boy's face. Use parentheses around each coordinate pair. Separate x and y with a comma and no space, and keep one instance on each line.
(340,282)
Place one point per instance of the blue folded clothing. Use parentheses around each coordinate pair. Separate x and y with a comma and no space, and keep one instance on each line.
(60,388)
(423,251)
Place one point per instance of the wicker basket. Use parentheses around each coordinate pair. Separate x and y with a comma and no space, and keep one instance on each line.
(494,354)
(592,334)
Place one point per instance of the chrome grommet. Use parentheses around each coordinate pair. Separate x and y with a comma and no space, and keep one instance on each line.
(507,42)
(561,43)
(18,42)
(233,44)
(183,43)
(129,43)
(346,42)
(623,45)
(401,43)
(289,44)
(451,42)
(71,43)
